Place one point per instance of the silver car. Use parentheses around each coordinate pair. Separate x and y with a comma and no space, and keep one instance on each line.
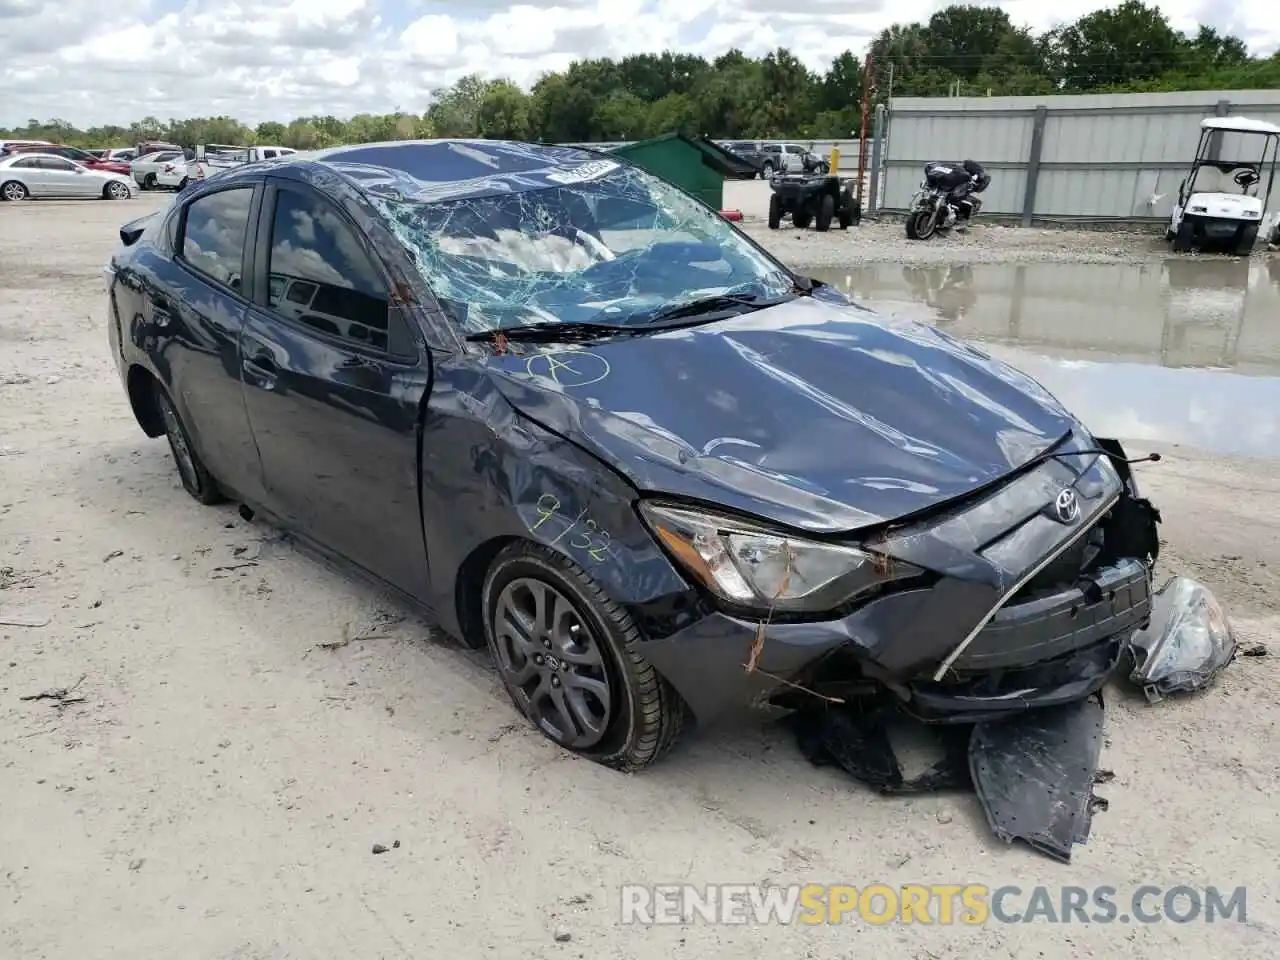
(43,175)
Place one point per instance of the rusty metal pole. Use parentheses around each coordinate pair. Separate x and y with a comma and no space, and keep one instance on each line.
(866,109)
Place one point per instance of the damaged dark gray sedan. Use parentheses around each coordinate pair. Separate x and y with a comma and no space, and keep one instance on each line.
(585,421)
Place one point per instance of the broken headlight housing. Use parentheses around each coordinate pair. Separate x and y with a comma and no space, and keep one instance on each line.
(1187,643)
(754,567)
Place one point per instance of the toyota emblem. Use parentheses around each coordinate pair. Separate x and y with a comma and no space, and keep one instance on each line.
(1066,507)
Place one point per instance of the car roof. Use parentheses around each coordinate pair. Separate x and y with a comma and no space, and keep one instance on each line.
(439,170)
(28,154)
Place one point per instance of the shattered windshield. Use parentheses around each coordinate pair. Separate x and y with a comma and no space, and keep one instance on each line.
(608,243)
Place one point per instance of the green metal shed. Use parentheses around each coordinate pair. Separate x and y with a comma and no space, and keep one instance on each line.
(697,166)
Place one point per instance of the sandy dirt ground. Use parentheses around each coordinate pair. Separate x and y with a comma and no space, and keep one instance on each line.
(215,782)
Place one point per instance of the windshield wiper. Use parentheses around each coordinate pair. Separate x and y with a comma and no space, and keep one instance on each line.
(714,304)
(553,331)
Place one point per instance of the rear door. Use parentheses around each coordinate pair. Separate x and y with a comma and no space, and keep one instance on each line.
(38,182)
(195,306)
(333,382)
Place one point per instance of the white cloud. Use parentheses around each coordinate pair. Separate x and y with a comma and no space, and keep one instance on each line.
(259,59)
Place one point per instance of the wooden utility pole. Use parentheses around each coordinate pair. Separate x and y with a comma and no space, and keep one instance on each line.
(866,110)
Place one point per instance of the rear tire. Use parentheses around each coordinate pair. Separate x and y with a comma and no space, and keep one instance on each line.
(13,190)
(826,213)
(195,477)
(802,217)
(775,212)
(149,182)
(586,644)
(766,170)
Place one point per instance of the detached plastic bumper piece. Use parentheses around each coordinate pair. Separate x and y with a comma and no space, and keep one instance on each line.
(1034,775)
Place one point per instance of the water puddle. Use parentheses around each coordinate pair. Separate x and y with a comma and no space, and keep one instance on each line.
(1184,352)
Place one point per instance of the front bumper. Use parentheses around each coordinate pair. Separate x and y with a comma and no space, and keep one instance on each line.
(999,632)
(1050,650)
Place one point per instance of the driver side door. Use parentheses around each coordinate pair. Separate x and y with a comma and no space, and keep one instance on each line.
(333,382)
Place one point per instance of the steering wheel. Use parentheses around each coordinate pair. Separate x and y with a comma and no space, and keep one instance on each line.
(1246,177)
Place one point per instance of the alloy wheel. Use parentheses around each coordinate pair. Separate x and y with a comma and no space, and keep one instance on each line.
(15,191)
(118,191)
(553,664)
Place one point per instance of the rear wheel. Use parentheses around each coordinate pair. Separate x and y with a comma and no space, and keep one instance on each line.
(13,190)
(149,182)
(196,479)
(802,217)
(569,659)
(766,170)
(826,213)
(775,212)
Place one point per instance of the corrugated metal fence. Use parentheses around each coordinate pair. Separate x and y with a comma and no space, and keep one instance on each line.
(1095,157)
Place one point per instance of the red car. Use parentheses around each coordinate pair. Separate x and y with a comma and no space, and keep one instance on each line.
(83,157)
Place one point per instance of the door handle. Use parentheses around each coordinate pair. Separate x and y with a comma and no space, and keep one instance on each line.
(262,368)
(160,315)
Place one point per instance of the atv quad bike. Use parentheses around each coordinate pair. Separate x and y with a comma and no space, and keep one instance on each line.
(813,198)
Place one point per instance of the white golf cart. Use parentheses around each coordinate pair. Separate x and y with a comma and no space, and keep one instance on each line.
(1219,203)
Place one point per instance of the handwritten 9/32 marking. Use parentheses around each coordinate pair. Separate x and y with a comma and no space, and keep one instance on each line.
(590,538)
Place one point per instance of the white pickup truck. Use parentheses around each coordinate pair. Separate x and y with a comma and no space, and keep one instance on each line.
(211,158)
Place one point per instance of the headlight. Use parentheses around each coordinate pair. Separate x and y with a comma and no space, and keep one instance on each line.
(1188,641)
(755,567)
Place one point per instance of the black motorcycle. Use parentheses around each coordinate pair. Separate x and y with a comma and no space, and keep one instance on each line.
(946,198)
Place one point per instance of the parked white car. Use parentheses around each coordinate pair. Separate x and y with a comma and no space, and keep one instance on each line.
(145,169)
(43,175)
(211,158)
(172,174)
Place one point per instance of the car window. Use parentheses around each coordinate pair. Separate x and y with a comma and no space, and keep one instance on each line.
(213,238)
(268,154)
(320,276)
(54,163)
(26,163)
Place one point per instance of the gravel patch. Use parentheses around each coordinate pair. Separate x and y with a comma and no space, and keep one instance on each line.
(883,240)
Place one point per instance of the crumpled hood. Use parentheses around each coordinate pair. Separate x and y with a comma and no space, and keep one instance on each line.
(817,415)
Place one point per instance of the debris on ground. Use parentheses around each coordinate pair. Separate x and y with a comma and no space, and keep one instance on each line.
(61,695)
(380,848)
(11,620)
(1034,771)
(563,935)
(1254,650)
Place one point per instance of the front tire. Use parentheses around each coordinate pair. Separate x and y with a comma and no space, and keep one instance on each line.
(14,191)
(826,213)
(775,212)
(921,225)
(115,190)
(195,477)
(569,659)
